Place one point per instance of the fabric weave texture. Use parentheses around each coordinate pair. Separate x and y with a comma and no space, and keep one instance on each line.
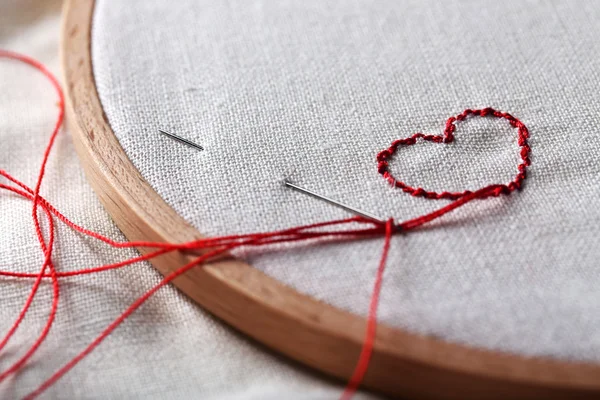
(320,87)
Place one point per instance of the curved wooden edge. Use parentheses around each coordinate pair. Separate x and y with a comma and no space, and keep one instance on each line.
(296,325)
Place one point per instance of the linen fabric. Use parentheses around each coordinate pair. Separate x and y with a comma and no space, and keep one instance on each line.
(168,349)
(314,89)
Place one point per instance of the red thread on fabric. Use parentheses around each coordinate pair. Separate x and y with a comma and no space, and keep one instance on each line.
(448,137)
(214,247)
(367,348)
(46,249)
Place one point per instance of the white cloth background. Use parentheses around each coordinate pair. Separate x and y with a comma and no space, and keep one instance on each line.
(320,87)
(170,348)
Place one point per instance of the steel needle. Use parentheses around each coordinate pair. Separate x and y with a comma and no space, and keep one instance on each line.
(331,201)
(181,140)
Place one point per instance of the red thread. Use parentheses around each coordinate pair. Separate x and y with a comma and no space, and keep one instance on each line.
(367,348)
(213,247)
(448,137)
(46,249)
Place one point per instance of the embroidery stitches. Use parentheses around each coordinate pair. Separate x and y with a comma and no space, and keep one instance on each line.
(448,137)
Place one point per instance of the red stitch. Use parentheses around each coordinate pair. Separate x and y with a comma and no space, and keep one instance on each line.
(447,137)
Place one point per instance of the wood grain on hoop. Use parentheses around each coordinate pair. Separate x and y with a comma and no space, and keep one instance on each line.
(309,331)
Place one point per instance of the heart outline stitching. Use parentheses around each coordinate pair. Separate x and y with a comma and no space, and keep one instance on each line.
(384,156)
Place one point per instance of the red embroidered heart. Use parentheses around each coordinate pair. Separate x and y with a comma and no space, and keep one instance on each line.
(448,137)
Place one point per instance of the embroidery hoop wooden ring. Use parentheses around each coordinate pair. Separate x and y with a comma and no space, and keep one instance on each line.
(298,326)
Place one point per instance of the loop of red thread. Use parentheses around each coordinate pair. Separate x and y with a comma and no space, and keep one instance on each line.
(448,137)
(213,247)
(46,249)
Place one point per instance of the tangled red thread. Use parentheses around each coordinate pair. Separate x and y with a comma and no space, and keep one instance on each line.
(218,245)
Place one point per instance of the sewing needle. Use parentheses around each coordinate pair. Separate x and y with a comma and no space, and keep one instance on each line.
(331,201)
(181,140)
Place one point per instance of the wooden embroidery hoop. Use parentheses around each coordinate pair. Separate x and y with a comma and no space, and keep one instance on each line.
(302,328)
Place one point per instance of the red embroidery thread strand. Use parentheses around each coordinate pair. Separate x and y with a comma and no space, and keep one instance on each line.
(216,246)
(367,349)
(47,250)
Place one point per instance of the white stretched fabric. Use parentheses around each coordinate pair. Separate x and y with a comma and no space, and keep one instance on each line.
(319,87)
(170,348)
